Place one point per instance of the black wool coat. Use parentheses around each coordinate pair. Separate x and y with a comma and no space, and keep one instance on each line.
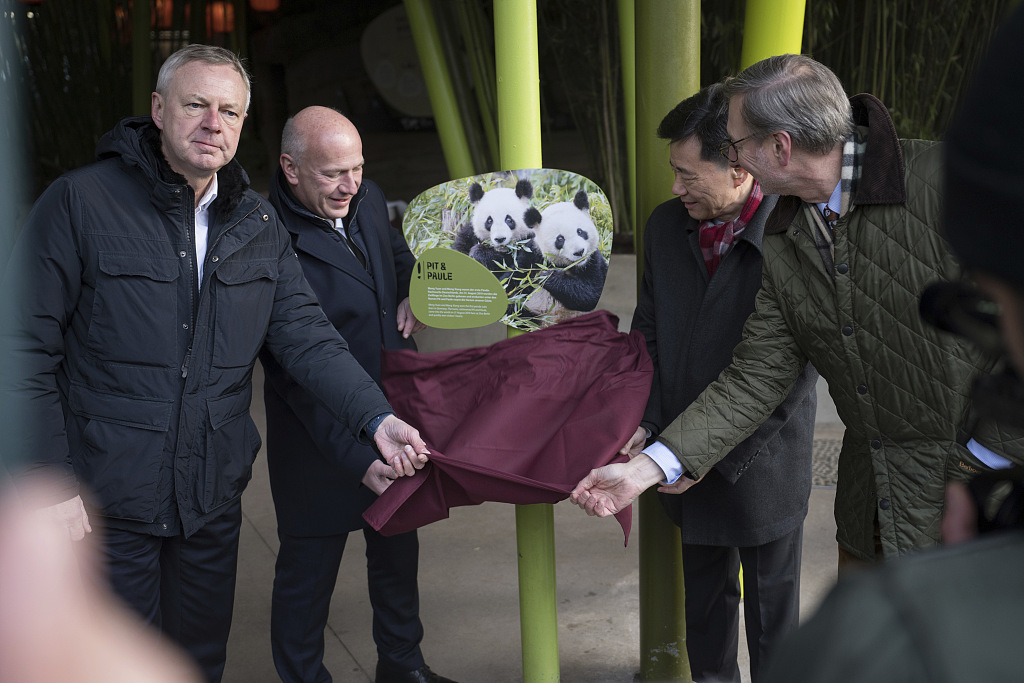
(316,465)
(692,322)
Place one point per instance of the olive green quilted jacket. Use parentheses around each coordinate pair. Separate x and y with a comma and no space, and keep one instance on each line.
(900,386)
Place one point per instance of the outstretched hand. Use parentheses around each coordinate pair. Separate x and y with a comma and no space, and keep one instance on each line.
(401,445)
(610,489)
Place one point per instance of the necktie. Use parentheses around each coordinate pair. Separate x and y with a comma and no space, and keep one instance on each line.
(830,217)
(353,247)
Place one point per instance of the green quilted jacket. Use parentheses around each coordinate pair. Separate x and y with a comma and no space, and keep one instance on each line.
(900,386)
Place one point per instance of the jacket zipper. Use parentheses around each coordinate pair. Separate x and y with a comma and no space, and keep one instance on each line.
(193,267)
(209,249)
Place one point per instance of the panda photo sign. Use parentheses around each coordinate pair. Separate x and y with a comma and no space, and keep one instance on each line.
(528,247)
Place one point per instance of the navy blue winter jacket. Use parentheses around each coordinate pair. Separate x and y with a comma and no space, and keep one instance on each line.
(126,375)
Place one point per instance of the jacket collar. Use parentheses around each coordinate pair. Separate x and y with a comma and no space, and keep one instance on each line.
(882,173)
(315,235)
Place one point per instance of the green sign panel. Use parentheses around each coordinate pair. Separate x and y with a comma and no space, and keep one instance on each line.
(451,291)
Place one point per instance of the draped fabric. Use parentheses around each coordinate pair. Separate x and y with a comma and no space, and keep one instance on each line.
(520,421)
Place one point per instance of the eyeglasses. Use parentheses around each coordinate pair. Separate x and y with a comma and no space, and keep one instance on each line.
(730,151)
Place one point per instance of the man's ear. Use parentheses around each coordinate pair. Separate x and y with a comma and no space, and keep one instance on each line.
(738,174)
(156,109)
(782,146)
(290,169)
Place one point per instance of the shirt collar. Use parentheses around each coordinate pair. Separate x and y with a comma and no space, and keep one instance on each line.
(835,201)
(211,194)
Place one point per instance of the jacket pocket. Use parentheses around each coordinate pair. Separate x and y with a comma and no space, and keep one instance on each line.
(135,310)
(232,447)
(118,445)
(244,301)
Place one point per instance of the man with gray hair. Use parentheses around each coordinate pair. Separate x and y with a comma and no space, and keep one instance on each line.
(848,250)
(140,292)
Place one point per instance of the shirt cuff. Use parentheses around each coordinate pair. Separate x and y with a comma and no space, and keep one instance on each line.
(666,460)
(990,458)
(371,426)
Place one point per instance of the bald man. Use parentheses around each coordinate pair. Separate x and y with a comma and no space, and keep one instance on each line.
(322,479)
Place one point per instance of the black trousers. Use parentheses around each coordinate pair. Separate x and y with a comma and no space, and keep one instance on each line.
(304,580)
(184,586)
(771,603)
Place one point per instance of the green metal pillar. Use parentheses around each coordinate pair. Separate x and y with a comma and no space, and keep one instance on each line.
(142,60)
(667,71)
(439,86)
(771,27)
(627,47)
(519,146)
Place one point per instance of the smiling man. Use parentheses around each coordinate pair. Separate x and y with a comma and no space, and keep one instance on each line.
(702,270)
(322,477)
(139,294)
(848,249)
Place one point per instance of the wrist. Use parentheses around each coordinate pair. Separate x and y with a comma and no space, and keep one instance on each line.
(374,423)
(646,471)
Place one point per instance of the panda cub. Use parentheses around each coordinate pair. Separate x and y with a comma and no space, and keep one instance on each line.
(500,234)
(566,235)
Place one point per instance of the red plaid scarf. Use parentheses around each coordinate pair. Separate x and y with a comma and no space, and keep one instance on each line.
(717,240)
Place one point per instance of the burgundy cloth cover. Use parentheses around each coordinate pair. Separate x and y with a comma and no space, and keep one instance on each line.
(520,421)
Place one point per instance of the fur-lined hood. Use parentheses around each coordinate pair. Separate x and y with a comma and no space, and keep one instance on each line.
(136,141)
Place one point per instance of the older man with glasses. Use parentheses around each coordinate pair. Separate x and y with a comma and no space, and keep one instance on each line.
(848,249)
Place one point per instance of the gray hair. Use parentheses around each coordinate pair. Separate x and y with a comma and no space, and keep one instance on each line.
(208,54)
(796,94)
(702,116)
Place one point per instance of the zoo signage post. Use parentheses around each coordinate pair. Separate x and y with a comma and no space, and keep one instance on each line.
(667,71)
(771,27)
(519,144)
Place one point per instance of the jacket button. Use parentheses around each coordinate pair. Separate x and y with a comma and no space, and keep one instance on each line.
(384,312)
(842,269)
(215,259)
(884,503)
(266,217)
(847,330)
(876,444)
(182,254)
(862,389)
(177,192)
(184,326)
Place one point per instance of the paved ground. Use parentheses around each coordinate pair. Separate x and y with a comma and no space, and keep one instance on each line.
(468,571)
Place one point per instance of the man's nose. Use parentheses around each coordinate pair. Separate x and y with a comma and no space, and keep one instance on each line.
(348,184)
(212,120)
(678,188)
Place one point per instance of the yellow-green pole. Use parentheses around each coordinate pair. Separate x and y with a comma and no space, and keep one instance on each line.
(142,61)
(519,146)
(667,71)
(439,86)
(627,48)
(771,27)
